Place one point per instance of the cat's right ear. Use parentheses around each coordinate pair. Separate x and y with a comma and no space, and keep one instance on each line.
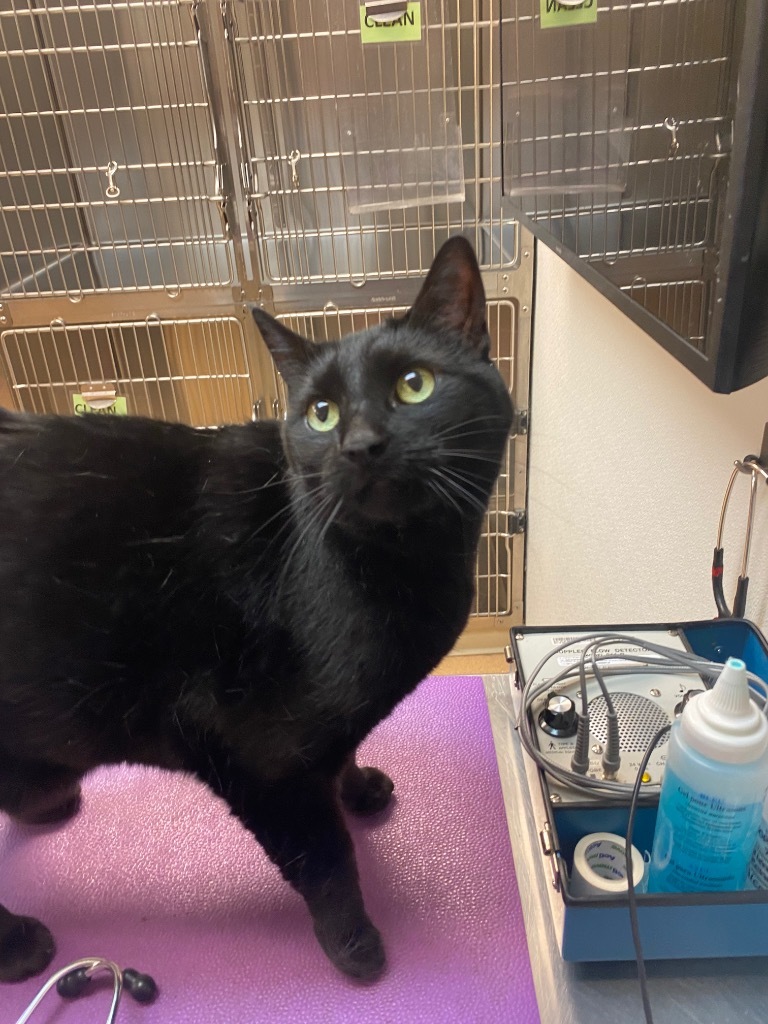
(291,353)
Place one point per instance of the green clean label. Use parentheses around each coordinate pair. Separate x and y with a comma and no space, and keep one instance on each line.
(116,407)
(554,15)
(406,29)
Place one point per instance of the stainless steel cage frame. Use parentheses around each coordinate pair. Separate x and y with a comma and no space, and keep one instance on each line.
(163,163)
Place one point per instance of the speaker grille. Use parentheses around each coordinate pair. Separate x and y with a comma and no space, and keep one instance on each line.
(639,720)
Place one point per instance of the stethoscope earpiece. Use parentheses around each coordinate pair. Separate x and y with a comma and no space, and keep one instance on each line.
(141,987)
(71,981)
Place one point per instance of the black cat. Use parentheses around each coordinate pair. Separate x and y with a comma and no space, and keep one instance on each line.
(246,604)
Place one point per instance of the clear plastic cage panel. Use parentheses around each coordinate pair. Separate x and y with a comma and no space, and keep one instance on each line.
(565,122)
(399,153)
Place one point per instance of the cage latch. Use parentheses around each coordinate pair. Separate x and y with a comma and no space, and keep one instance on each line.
(550,853)
(293,159)
(516,522)
(672,124)
(111,191)
(520,423)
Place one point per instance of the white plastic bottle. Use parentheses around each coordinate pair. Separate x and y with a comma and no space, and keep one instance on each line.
(715,781)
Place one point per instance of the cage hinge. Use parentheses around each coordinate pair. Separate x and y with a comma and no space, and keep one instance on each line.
(516,522)
(520,423)
(6,320)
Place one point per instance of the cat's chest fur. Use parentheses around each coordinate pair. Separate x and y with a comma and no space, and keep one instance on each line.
(352,628)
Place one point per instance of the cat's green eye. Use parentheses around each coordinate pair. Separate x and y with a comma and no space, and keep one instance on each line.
(415,385)
(322,415)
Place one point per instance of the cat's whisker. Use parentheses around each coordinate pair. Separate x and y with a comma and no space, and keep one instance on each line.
(490,432)
(438,490)
(247,492)
(455,487)
(475,482)
(455,429)
(284,511)
(444,494)
(460,453)
(314,516)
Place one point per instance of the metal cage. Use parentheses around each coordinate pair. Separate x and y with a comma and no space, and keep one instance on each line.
(165,162)
(626,138)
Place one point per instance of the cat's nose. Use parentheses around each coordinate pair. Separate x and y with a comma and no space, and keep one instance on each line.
(363,444)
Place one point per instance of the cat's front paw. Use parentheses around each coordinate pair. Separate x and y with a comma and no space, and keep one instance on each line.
(366,791)
(359,953)
(26,948)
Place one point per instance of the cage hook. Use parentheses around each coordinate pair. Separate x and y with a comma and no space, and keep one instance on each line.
(112,191)
(293,158)
(672,124)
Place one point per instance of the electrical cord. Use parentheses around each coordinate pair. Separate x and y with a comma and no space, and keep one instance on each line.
(634,923)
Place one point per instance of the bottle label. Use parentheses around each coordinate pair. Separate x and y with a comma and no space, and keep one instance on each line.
(702,843)
(757,873)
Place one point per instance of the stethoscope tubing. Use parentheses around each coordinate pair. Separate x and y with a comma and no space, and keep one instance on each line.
(749,464)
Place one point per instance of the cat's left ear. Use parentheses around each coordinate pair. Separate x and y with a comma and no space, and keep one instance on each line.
(291,353)
(453,295)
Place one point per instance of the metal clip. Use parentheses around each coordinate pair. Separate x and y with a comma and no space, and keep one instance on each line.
(112,190)
(293,158)
(384,12)
(672,124)
(550,854)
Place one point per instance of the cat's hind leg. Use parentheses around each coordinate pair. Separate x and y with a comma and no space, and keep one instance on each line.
(26,946)
(364,791)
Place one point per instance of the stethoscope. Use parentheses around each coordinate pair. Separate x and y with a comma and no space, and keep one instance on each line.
(749,464)
(72,980)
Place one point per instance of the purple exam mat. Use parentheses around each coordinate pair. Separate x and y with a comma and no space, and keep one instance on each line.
(155,874)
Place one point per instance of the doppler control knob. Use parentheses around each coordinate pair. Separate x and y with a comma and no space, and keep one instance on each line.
(559,716)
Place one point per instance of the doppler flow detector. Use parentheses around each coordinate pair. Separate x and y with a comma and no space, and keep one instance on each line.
(594,707)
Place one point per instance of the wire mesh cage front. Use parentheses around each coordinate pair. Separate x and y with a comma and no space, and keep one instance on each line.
(108,174)
(350,144)
(616,142)
(493,574)
(215,152)
(187,371)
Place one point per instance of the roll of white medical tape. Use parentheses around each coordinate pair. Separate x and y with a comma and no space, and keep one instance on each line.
(600,866)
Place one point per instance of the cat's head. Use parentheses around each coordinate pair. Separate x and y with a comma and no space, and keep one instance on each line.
(406,419)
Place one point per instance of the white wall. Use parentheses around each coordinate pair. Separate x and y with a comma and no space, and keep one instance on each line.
(629,458)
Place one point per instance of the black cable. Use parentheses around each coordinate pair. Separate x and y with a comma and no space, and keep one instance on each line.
(723,611)
(611,759)
(631,895)
(740,600)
